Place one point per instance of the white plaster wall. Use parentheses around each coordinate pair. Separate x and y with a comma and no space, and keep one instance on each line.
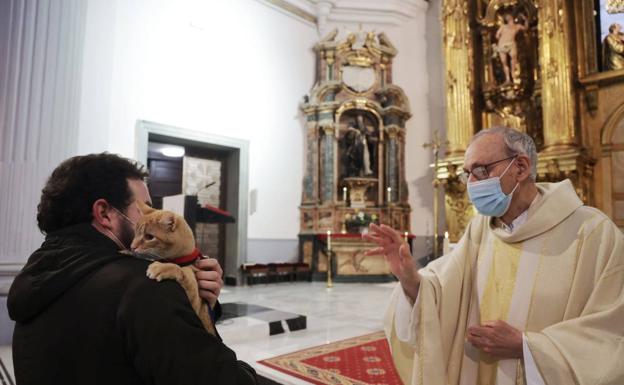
(411,73)
(236,68)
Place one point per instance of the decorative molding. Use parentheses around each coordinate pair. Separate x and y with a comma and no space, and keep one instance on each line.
(321,12)
(301,9)
(612,123)
(603,78)
(10,269)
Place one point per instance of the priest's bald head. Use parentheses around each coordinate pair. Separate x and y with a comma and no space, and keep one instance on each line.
(500,168)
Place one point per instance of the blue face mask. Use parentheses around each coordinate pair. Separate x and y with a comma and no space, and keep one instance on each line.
(488,197)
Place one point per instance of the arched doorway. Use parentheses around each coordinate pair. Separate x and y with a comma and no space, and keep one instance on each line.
(613,161)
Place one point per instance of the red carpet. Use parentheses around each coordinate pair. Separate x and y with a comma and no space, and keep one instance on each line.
(363,360)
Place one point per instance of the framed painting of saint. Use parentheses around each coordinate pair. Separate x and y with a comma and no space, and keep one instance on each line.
(610,33)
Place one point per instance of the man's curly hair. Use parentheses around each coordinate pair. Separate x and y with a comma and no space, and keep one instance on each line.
(68,196)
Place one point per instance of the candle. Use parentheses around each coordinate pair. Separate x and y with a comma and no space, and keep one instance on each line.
(329,270)
(344,194)
(446,246)
(389,189)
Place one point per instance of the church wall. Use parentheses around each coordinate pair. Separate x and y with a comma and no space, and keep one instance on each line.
(235,68)
(232,68)
(238,69)
(412,74)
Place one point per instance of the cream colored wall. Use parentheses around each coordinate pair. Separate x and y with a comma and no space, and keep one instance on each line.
(236,68)
(233,68)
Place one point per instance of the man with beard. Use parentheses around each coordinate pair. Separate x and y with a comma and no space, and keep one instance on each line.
(87,314)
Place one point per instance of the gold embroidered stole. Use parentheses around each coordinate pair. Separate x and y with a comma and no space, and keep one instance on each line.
(496,298)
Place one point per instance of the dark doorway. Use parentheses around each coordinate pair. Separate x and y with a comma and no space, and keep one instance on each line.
(165,173)
(201,171)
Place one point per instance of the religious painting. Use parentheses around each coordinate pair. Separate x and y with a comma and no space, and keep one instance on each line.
(197,175)
(202,177)
(359,142)
(610,30)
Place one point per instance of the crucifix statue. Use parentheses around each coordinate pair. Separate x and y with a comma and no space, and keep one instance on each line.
(435,146)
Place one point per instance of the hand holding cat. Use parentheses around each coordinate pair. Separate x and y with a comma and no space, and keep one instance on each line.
(209,279)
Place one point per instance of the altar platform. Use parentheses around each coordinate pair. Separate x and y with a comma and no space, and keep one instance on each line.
(348,262)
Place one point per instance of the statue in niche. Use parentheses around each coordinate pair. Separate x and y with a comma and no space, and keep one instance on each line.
(359,148)
(507,47)
(613,48)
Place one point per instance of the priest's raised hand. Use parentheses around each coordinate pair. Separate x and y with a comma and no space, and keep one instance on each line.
(396,251)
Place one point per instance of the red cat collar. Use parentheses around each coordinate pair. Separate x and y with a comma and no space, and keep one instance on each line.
(195,254)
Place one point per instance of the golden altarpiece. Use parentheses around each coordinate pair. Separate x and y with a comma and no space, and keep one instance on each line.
(355,156)
(534,65)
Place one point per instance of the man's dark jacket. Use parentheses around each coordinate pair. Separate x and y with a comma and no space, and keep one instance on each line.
(86,314)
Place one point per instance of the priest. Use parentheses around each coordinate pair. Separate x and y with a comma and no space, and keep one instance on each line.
(532,294)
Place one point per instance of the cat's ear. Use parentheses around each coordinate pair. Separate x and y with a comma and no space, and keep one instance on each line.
(145,209)
(169,220)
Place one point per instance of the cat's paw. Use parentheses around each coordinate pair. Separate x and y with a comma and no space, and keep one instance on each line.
(160,271)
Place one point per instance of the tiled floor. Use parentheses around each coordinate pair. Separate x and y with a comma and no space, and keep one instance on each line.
(345,311)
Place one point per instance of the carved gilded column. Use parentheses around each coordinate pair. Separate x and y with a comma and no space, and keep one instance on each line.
(557,76)
(457,42)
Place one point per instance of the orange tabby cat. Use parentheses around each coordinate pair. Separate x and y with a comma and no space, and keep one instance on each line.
(163,235)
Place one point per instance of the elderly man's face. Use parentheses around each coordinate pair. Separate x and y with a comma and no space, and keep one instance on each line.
(485,150)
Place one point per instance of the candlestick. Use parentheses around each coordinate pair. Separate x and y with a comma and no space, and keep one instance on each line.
(329,278)
(446,246)
(389,198)
(344,194)
(435,146)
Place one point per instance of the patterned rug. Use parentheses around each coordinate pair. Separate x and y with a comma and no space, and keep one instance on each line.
(363,360)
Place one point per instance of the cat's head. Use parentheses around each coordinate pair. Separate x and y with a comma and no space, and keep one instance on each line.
(162,234)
